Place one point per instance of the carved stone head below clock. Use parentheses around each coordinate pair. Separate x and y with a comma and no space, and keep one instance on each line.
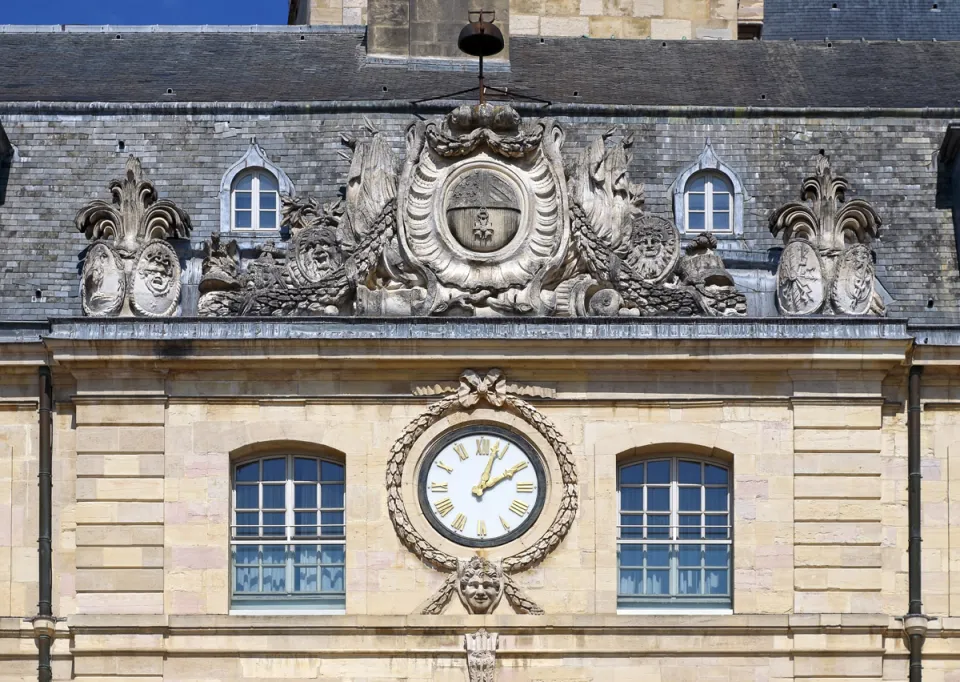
(479,585)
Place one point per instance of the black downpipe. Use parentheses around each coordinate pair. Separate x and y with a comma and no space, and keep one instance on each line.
(913,501)
(45,605)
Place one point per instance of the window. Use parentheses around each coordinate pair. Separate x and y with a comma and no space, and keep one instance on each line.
(288,542)
(709,203)
(255,196)
(674,540)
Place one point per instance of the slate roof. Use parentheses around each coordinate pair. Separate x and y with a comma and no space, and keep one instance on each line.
(856,19)
(324,65)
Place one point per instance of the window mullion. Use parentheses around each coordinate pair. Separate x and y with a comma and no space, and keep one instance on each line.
(708,205)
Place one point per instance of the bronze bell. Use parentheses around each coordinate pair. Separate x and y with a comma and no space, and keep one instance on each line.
(481,38)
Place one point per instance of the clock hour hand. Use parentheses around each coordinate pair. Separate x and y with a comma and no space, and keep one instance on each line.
(481,486)
(505,475)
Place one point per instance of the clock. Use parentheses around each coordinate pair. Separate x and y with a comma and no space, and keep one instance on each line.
(482,486)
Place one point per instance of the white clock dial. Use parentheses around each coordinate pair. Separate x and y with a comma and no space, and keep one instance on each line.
(481,486)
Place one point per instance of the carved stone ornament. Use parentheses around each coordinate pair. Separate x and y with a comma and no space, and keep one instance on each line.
(481,648)
(476,389)
(827,265)
(131,269)
(480,218)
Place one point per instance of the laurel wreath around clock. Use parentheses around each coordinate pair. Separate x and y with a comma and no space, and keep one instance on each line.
(473,389)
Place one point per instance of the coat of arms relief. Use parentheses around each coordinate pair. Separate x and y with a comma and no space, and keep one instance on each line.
(484,216)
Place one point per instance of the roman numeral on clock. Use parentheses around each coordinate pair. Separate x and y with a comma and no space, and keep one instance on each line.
(483,446)
(444,506)
(438,487)
(481,528)
(503,522)
(519,508)
(460,522)
(461,451)
(521,487)
(444,467)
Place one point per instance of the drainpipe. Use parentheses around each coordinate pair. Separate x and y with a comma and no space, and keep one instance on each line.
(44,624)
(915,622)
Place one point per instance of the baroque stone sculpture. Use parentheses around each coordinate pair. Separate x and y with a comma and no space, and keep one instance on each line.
(483,219)
(481,648)
(131,269)
(827,265)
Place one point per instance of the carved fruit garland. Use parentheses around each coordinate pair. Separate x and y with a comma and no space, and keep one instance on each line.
(492,389)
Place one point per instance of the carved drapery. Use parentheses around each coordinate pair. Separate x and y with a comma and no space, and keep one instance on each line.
(827,265)
(131,269)
(481,218)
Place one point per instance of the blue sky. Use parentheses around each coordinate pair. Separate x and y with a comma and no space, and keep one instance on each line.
(143,11)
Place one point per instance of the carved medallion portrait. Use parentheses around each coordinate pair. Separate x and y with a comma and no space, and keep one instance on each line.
(156,280)
(483,210)
(853,283)
(654,248)
(800,286)
(318,252)
(104,283)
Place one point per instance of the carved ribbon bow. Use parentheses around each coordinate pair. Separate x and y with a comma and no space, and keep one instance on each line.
(492,388)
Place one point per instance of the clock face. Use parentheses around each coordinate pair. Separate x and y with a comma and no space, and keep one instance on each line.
(482,486)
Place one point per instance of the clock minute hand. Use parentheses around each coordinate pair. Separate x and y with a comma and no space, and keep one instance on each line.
(482,485)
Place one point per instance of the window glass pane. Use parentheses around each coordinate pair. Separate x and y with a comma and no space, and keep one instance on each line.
(247,497)
(720,183)
(331,579)
(715,474)
(716,499)
(245,181)
(721,220)
(690,499)
(242,200)
(696,202)
(330,472)
(332,523)
(274,554)
(248,472)
(268,220)
(689,472)
(305,579)
(306,523)
(331,495)
(273,523)
(631,556)
(695,220)
(628,520)
(689,526)
(305,554)
(274,469)
(716,582)
(721,200)
(273,497)
(332,555)
(247,554)
(247,579)
(631,581)
(658,526)
(632,474)
(247,523)
(243,219)
(305,496)
(274,578)
(268,200)
(697,184)
(305,469)
(717,533)
(690,555)
(658,582)
(631,499)
(267,181)
(658,555)
(658,472)
(689,582)
(658,499)
(717,555)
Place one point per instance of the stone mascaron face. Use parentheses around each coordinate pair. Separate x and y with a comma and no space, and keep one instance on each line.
(481,486)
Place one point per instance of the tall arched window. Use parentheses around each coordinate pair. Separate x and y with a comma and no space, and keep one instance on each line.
(288,541)
(709,203)
(255,201)
(674,540)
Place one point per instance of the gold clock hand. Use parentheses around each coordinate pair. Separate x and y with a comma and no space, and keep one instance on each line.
(505,475)
(479,487)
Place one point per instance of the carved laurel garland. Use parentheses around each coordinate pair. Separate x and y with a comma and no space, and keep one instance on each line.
(492,389)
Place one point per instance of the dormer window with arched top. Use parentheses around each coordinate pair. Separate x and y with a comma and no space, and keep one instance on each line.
(708,197)
(250,194)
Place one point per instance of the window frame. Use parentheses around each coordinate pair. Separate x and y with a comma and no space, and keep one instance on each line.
(709,177)
(255,193)
(673,602)
(283,603)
